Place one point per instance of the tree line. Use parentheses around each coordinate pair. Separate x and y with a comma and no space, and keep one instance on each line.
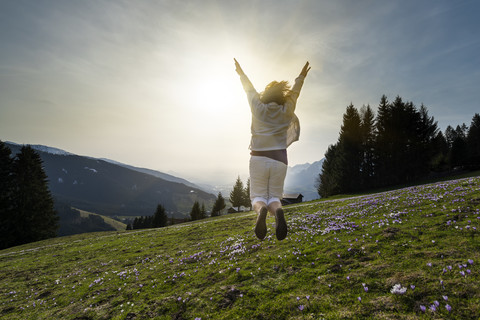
(400,145)
(160,218)
(26,206)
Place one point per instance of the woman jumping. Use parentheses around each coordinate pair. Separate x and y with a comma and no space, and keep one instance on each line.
(274,127)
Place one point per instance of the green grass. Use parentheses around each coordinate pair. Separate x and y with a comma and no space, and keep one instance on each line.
(117,225)
(424,238)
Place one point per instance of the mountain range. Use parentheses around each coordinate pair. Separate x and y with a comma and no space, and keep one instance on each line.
(302,179)
(112,189)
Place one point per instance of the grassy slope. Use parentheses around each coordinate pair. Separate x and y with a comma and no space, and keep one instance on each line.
(114,223)
(425,236)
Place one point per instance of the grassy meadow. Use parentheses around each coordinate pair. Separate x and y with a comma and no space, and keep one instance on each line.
(412,253)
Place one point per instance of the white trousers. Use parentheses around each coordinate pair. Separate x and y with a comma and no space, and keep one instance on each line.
(267,177)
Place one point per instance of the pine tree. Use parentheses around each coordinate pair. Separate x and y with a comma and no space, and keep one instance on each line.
(329,179)
(218,206)
(382,144)
(160,217)
(36,218)
(203,212)
(237,197)
(423,144)
(7,213)
(459,148)
(246,194)
(439,160)
(473,142)
(350,145)
(367,166)
(195,212)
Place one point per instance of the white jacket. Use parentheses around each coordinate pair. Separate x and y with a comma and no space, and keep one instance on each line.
(274,127)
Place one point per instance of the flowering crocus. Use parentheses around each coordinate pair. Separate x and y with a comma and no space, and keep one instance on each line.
(423,308)
(365,288)
(301,307)
(308,297)
(398,289)
(359,299)
(429,264)
(445,298)
(448,307)
(412,286)
(433,308)
(470,261)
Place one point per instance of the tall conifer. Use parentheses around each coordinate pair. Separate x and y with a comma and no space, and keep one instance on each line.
(7,213)
(195,212)
(160,217)
(473,142)
(36,218)
(218,206)
(237,197)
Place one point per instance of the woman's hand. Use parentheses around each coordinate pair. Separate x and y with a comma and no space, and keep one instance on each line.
(305,69)
(238,68)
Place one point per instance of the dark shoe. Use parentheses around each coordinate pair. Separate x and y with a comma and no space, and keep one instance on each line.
(281,224)
(261,225)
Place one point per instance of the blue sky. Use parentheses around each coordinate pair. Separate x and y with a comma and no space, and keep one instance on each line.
(152,83)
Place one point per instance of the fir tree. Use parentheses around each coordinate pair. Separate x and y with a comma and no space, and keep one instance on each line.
(382,142)
(36,218)
(7,214)
(160,217)
(329,179)
(195,212)
(203,212)
(367,127)
(473,142)
(350,145)
(237,195)
(246,194)
(459,148)
(218,206)
(439,160)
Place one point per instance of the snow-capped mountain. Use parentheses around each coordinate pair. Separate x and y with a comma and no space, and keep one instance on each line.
(41,148)
(303,179)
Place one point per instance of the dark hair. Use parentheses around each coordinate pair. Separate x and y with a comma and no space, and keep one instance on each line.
(275,92)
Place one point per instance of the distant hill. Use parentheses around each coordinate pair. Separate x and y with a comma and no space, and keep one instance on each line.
(302,179)
(107,188)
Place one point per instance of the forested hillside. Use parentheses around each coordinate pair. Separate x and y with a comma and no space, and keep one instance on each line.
(401,144)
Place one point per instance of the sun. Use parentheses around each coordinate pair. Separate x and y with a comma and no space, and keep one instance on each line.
(217,92)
